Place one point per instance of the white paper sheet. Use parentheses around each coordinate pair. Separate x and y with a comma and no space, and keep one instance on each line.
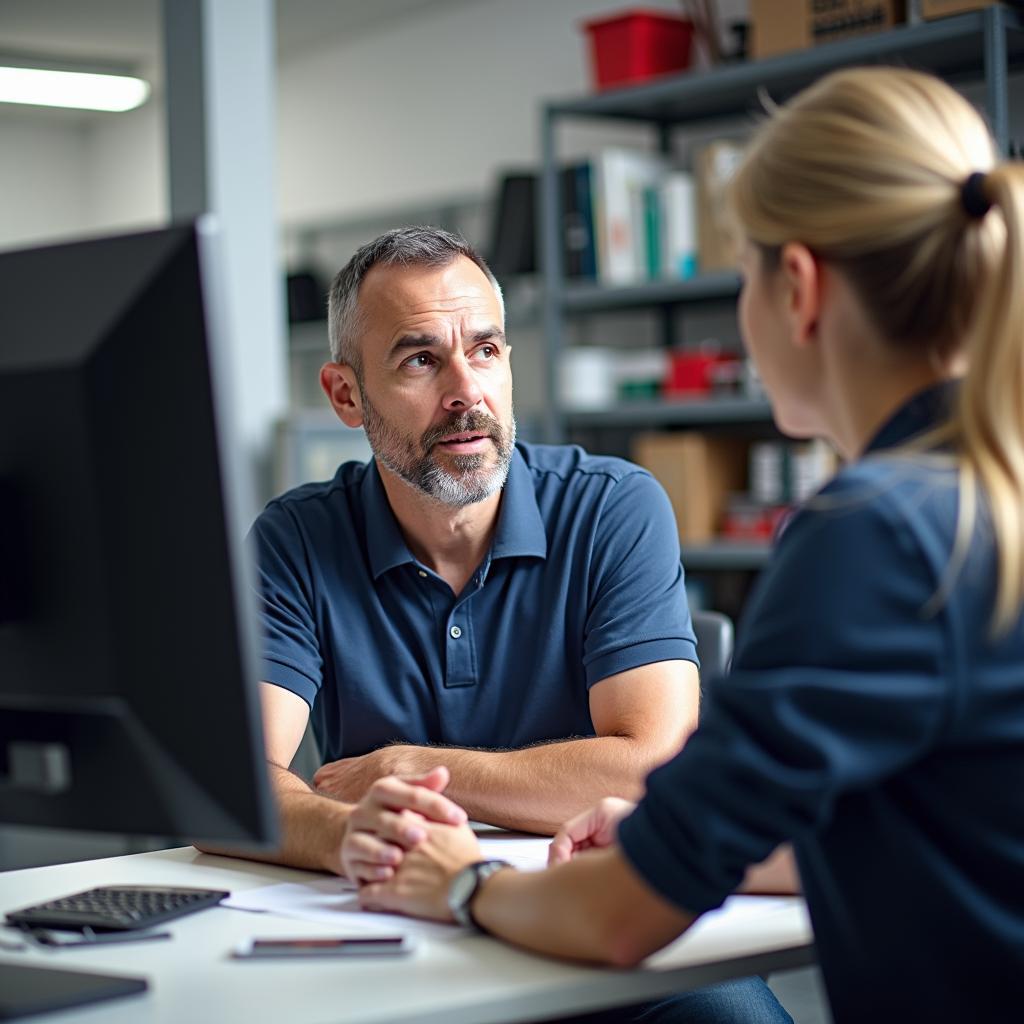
(333,899)
(732,930)
(742,908)
(528,853)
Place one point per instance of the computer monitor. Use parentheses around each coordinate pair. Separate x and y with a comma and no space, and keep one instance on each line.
(128,691)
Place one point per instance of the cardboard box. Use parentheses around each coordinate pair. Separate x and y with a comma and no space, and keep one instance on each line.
(698,472)
(777,26)
(944,8)
(717,241)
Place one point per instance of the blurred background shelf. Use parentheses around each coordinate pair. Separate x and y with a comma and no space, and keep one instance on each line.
(715,453)
(679,413)
(594,298)
(725,555)
(954,48)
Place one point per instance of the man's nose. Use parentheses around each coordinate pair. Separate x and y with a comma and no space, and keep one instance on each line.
(461,388)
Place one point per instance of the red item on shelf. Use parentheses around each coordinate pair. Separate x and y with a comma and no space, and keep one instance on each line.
(635,45)
(690,373)
(748,521)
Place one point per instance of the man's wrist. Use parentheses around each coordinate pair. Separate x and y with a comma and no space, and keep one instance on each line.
(335,831)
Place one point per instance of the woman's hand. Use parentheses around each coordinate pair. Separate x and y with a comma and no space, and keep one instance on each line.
(592,829)
(419,886)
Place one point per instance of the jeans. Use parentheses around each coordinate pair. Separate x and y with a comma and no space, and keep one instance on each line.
(743,1001)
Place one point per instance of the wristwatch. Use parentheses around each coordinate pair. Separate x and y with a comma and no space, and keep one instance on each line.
(466,884)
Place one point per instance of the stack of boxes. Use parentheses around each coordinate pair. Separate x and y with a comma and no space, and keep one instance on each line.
(729,488)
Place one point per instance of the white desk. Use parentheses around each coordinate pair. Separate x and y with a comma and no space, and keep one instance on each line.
(471,979)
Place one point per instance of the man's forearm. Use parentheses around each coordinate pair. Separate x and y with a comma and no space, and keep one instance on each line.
(312,827)
(537,788)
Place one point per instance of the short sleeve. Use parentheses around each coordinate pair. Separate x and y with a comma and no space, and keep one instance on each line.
(290,651)
(841,680)
(638,613)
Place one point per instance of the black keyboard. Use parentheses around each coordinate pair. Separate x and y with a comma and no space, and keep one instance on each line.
(116,908)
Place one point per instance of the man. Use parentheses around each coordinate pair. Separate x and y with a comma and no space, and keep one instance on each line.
(523,605)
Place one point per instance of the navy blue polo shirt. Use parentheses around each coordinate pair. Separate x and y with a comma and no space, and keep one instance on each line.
(881,731)
(582,581)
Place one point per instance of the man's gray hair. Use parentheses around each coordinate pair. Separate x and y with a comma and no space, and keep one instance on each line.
(409,247)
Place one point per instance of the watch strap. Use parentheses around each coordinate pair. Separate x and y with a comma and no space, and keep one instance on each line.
(481,870)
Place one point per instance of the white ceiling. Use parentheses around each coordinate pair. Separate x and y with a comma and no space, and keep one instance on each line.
(304,25)
(128,31)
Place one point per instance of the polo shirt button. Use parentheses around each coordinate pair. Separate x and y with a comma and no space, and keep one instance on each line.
(455,632)
(422,573)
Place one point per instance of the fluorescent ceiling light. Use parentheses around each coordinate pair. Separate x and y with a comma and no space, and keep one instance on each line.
(83,91)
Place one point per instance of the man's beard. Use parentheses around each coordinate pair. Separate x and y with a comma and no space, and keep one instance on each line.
(468,480)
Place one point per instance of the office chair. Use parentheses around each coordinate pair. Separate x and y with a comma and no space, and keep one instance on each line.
(307,758)
(714,634)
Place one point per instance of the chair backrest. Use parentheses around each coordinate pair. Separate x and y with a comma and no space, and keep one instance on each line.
(714,642)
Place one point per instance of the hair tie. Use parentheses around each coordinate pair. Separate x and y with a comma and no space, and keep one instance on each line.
(972,195)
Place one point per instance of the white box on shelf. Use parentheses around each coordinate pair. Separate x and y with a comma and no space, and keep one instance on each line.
(587,379)
(678,225)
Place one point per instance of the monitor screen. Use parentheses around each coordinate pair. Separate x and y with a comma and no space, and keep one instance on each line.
(128,692)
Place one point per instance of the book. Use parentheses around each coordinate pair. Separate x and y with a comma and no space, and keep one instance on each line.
(515,244)
(652,231)
(585,221)
(578,256)
(619,177)
(513,248)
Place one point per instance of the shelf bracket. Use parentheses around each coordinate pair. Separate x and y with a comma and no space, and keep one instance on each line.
(996,65)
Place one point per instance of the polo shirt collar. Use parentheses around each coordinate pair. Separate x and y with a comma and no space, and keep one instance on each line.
(927,409)
(384,541)
(520,531)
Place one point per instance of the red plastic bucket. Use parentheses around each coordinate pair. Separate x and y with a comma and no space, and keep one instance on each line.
(636,45)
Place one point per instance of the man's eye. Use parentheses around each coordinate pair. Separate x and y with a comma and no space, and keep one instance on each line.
(419,361)
(488,351)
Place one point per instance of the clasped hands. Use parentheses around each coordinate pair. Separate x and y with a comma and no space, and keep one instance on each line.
(405,841)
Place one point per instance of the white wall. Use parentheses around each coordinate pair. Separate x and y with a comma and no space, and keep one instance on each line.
(43,193)
(126,169)
(428,107)
(65,175)
(424,108)
(421,109)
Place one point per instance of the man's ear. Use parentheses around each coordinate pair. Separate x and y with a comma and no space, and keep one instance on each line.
(802,280)
(342,390)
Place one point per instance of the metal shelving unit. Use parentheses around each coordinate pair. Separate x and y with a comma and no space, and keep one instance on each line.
(960,47)
(593,298)
(982,45)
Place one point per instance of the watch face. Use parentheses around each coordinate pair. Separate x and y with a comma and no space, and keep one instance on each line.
(463,886)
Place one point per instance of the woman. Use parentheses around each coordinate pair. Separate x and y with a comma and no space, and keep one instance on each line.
(874,716)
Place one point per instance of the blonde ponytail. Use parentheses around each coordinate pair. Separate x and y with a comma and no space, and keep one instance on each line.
(866,168)
(989,421)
